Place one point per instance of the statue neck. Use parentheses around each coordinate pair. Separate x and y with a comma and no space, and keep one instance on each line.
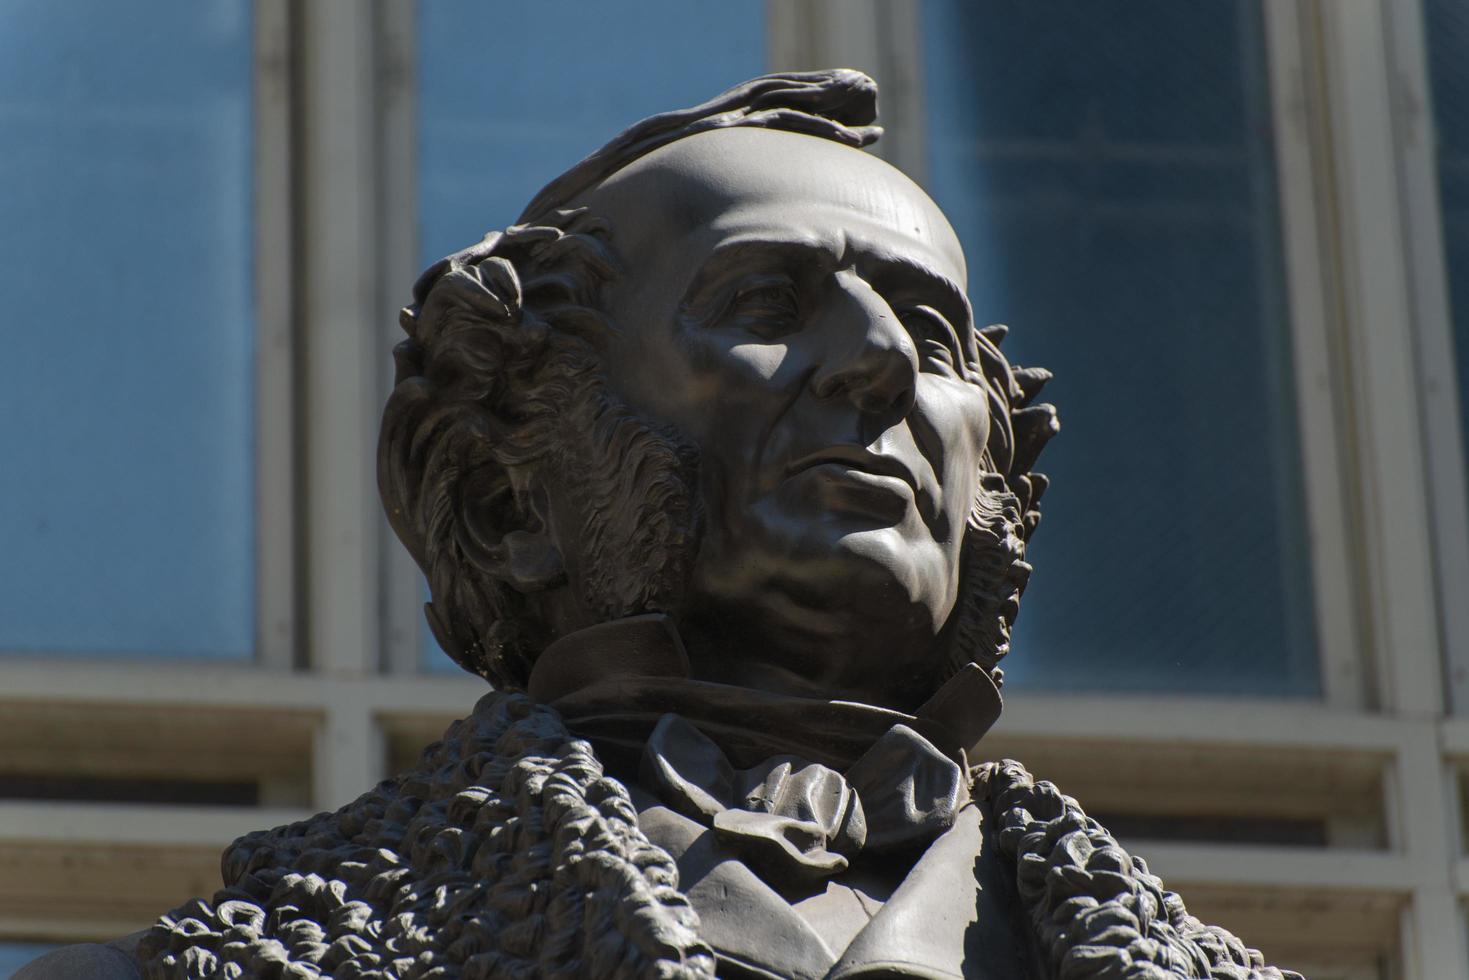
(614,681)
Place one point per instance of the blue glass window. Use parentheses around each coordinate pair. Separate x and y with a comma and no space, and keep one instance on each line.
(509,99)
(1113,183)
(126,239)
(1447,33)
(13,956)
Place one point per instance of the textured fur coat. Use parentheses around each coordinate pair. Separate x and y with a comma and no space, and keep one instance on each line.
(506,852)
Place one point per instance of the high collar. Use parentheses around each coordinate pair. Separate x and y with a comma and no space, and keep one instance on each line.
(612,682)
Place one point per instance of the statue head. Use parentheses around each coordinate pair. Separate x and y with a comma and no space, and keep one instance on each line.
(722,369)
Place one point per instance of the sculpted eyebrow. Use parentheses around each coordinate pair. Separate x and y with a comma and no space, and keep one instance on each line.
(741,257)
(949,299)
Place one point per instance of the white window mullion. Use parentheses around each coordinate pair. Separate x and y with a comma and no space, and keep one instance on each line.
(880,37)
(1433,323)
(402,583)
(341,384)
(1432,930)
(1395,516)
(276,352)
(1295,107)
(1382,370)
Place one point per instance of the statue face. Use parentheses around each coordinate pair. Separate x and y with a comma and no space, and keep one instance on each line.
(795,309)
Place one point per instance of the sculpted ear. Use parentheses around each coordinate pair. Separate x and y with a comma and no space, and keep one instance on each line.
(452,503)
(471,412)
(503,532)
(532,562)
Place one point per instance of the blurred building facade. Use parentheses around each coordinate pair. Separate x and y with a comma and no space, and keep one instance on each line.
(1237,230)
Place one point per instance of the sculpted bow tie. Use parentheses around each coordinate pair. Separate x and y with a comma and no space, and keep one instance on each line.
(799,820)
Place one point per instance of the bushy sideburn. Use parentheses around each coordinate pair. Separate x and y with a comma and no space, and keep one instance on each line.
(500,374)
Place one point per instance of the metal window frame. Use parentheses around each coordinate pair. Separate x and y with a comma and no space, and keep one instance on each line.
(1297,125)
(338,234)
(1439,386)
(1372,296)
(403,627)
(880,37)
(1386,283)
(276,643)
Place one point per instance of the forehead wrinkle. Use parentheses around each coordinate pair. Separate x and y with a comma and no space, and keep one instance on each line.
(845,246)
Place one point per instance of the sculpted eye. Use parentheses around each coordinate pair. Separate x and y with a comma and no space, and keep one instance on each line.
(938,345)
(769,302)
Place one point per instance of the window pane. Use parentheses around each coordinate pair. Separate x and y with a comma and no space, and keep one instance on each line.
(1114,187)
(510,99)
(1447,31)
(13,956)
(125,262)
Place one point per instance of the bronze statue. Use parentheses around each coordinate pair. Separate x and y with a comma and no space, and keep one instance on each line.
(715,480)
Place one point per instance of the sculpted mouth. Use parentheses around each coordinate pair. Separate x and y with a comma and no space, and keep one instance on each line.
(858,460)
(880,485)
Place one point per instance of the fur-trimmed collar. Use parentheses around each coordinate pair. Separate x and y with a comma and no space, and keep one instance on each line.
(506,852)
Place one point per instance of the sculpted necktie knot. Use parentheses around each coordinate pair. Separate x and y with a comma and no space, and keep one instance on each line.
(801,820)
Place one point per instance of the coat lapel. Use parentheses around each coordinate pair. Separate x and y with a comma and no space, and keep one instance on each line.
(754,931)
(948,919)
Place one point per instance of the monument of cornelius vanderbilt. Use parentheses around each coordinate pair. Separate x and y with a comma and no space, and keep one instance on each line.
(717,484)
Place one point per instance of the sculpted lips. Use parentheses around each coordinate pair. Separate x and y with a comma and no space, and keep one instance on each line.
(854,457)
(884,484)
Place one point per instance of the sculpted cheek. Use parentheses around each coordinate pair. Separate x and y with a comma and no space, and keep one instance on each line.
(760,362)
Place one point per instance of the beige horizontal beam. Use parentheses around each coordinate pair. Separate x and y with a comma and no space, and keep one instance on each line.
(1278,868)
(1454,737)
(116,823)
(71,872)
(118,740)
(1292,904)
(1461,877)
(1166,719)
(1115,776)
(1179,720)
(215,685)
(74,891)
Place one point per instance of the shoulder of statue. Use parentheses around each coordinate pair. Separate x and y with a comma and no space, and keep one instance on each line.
(505,851)
(95,961)
(1096,909)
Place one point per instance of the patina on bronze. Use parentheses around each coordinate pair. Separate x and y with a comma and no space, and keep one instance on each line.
(715,480)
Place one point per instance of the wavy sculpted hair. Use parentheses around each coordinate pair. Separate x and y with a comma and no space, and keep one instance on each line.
(500,371)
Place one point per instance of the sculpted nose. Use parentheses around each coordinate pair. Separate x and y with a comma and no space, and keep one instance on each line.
(870,358)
